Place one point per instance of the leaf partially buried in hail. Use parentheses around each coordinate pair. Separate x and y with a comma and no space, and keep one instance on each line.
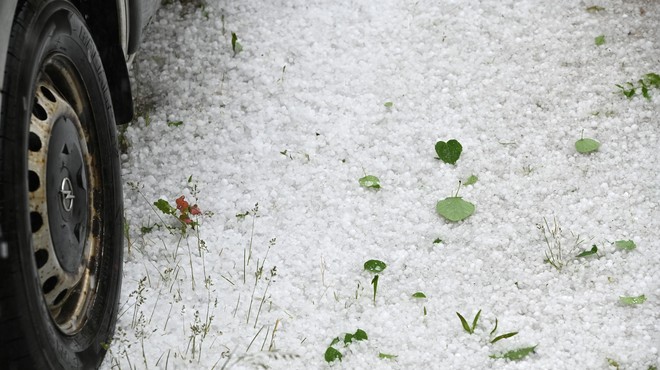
(454,208)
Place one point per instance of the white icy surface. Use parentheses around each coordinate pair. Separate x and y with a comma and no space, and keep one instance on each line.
(516,82)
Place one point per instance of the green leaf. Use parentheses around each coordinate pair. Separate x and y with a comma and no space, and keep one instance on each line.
(476,319)
(516,354)
(454,208)
(503,336)
(375,266)
(175,123)
(386,355)
(165,207)
(334,341)
(348,338)
(599,40)
(594,250)
(471,180)
(370,182)
(625,244)
(437,241)
(595,8)
(464,323)
(612,363)
(419,295)
(448,152)
(332,354)
(628,93)
(494,329)
(633,300)
(388,104)
(360,335)
(585,146)
(236,46)
(653,79)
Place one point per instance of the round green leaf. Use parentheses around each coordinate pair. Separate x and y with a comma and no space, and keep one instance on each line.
(586,145)
(375,266)
(419,295)
(370,182)
(454,208)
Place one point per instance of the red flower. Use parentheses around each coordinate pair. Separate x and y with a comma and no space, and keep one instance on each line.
(181,204)
(195,210)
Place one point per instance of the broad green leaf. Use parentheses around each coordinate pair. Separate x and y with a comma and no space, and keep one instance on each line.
(586,145)
(593,250)
(375,266)
(437,241)
(633,300)
(348,338)
(332,354)
(165,207)
(370,182)
(419,295)
(599,40)
(503,336)
(516,354)
(464,323)
(471,180)
(625,244)
(360,335)
(454,208)
(388,104)
(386,355)
(448,152)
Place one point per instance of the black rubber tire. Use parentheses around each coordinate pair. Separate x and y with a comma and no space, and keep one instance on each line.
(42,31)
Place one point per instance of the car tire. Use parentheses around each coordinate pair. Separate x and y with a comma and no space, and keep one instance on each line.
(61,245)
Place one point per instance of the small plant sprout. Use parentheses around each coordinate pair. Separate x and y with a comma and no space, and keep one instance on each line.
(420,295)
(455,208)
(388,104)
(369,181)
(613,363)
(500,337)
(516,354)
(587,145)
(174,123)
(554,253)
(591,252)
(625,244)
(599,40)
(332,354)
(375,266)
(631,301)
(437,241)
(236,46)
(449,151)
(466,326)
(649,80)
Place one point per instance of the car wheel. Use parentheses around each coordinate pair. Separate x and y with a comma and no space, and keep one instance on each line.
(60,195)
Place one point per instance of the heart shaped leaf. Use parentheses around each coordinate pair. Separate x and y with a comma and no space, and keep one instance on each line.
(448,152)
(454,208)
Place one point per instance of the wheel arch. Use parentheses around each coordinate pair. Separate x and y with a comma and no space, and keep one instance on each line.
(104,22)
